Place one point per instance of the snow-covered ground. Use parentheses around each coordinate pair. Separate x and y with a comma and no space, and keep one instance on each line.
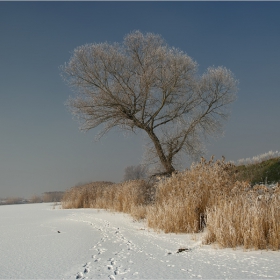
(37,241)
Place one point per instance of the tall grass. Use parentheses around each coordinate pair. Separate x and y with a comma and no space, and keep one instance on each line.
(129,197)
(246,219)
(235,213)
(182,199)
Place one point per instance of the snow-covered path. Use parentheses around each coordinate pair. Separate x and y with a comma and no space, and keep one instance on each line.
(97,244)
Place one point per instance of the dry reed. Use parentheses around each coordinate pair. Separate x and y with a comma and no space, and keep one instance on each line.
(182,199)
(235,213)
(128,197)
(248,219)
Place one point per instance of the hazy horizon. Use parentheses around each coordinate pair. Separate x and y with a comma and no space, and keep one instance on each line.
(41,146)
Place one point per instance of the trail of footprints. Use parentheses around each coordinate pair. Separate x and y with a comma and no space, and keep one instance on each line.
(115,262)
(101,264)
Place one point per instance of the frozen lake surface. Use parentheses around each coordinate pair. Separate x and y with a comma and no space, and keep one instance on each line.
(37,241)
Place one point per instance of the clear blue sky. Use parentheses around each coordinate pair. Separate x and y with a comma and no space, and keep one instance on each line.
(41,147)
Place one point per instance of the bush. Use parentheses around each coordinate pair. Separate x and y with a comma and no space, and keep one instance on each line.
(265,172)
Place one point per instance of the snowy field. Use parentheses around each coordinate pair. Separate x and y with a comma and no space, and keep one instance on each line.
(37,241)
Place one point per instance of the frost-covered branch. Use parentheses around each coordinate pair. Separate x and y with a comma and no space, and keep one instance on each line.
(143,84)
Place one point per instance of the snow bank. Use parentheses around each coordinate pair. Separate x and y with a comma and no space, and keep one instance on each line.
(38,241)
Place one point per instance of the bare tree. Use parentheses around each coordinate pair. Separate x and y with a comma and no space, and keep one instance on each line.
(134,172)
(143,84)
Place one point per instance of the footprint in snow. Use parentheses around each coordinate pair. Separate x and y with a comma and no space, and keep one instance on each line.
(79,275)
(111,277)
(101,251)
(86,270)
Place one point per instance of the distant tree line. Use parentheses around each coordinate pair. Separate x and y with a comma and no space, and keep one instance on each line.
(54,196)
(12,200)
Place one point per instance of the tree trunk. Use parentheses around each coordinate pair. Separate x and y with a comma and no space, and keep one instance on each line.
(167,164)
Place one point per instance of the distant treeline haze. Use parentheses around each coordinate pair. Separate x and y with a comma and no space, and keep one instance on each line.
(54,196)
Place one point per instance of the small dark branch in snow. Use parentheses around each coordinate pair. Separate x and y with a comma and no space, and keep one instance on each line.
(183,250)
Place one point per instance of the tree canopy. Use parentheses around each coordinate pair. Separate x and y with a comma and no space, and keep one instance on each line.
(143,84)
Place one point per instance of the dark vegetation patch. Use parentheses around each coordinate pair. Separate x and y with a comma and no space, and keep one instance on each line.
(266,172)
